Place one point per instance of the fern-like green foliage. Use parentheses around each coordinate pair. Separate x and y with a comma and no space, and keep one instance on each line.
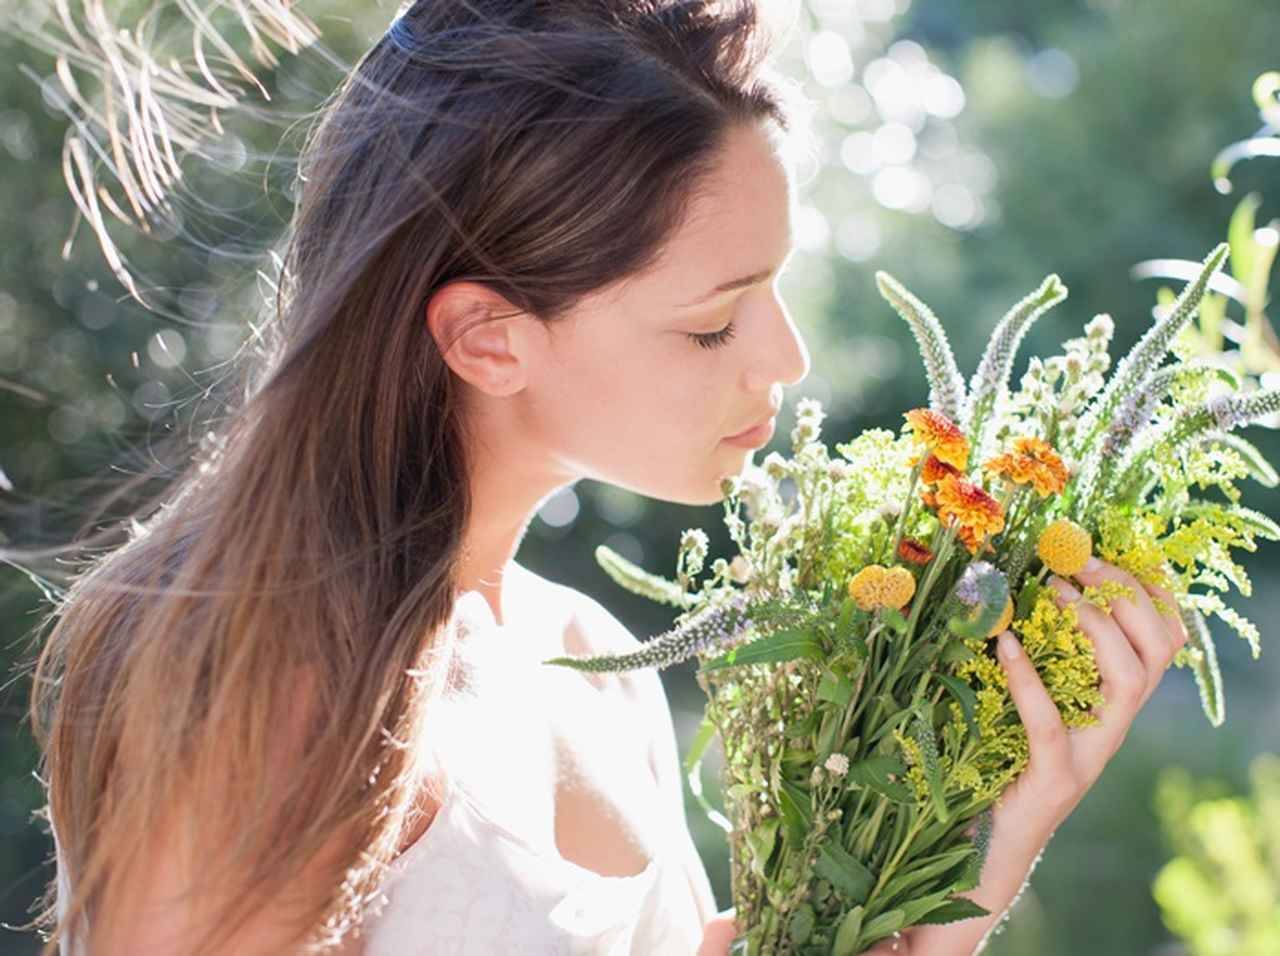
(946,385)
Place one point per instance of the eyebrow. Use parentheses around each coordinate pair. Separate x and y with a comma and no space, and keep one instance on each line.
(740,283)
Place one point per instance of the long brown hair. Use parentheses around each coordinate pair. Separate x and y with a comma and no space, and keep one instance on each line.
(262,648)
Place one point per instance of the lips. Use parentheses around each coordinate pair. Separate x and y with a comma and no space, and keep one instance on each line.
(759,424)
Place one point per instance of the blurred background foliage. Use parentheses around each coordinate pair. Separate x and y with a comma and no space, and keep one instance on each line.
(970,149)
(1222,891)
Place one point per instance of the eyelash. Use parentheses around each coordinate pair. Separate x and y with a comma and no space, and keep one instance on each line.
(711,340)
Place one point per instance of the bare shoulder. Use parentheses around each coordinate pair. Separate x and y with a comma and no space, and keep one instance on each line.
(590,628)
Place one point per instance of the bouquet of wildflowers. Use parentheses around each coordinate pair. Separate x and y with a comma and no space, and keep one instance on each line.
(846,650)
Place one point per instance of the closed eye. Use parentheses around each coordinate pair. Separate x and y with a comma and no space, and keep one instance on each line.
(711,340)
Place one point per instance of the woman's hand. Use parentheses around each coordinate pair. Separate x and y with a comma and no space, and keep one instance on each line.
(1134,645)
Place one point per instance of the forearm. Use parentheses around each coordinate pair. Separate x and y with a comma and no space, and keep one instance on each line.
(1014,855)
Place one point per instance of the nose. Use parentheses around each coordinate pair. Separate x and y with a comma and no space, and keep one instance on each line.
(782,356)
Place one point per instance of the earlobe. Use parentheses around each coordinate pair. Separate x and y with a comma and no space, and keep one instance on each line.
(473,327)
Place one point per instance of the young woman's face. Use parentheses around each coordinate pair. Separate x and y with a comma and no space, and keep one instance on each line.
(623,392)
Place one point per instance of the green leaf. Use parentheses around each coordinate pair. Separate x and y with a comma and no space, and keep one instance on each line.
(844,871)
(762,839)
(847,609)
(923,870)
(794,806)
(831,722)
(953,652)
(873,773)
(783,645)
(1240,237)
(693,770)
(835,688)
(893,617)
(848,934)
(1026,599)
(698,746)
(915,910)
(954,911)
(965,696)
(886,924)
(800,926)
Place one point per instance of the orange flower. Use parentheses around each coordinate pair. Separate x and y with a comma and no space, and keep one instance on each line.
(940,435)
(913,551)
(965,503)
(971,540)
(1032,462)
(935,469)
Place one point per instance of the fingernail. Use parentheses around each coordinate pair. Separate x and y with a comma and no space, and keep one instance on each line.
(1009,646)
(1093,564)
(1064,588)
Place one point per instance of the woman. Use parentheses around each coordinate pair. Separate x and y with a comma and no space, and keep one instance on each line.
(535,242)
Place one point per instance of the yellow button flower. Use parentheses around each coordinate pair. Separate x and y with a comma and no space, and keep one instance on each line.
(1064,547)
(877,586)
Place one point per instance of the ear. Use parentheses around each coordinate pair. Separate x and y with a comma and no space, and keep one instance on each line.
(474,329)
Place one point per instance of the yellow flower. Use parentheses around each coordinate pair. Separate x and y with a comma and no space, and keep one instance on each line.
(877,586)
(1064,547)
(940,435)
(1032,462)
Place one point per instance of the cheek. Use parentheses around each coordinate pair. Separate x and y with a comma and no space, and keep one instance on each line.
(651,423)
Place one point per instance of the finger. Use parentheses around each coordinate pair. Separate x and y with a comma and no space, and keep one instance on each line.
(1123,674)
(718,934)
(1145,629)
(1166,606)
(1046,733)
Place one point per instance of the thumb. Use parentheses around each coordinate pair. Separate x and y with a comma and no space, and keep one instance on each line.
(718,934)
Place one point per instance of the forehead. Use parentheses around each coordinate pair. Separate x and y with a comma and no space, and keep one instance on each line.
(739,223)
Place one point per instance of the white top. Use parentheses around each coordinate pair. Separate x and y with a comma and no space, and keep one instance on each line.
(472,886)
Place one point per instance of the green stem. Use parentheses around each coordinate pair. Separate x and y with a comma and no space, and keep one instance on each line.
(906,509)
(940,557)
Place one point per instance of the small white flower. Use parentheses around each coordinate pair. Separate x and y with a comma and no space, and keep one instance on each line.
(838,764)
(740,569)
(1101,326)
(775,466)
(815,778)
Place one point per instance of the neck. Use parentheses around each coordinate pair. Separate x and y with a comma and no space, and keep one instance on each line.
(509,482)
